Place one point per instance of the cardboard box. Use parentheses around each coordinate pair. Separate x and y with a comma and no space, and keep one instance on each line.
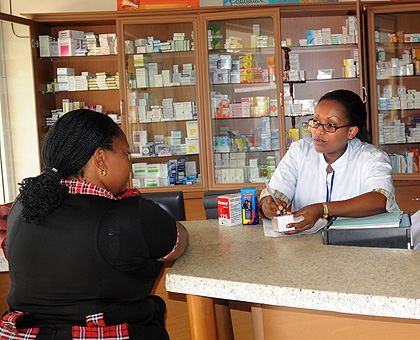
(249,202)
(229,209)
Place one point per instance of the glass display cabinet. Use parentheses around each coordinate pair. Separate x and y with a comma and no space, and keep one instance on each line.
(394,55)
(242,94)
(321,52)
(162,111)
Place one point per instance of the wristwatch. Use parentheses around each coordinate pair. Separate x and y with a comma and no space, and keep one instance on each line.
(325,214)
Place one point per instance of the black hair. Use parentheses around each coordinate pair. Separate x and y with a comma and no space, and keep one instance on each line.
(67,148)
(354,108)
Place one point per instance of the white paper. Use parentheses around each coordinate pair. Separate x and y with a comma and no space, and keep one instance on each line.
(269,232)
(279,223)
(415,228)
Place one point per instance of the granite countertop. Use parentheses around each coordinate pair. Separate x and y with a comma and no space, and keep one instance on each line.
(240,263)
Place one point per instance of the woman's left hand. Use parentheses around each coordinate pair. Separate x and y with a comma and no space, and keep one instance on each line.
(311,214)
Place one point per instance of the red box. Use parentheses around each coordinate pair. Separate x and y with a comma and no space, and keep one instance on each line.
(415,160)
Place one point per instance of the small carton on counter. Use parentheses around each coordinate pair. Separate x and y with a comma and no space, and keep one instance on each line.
(249,201)
(229,209)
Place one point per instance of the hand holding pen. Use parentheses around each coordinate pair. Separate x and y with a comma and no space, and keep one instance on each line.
(271,206)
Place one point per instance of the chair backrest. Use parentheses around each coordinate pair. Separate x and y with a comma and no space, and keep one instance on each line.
(172,202)
(210,202)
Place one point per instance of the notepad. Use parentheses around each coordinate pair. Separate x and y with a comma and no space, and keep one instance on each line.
(382,220)
(269,232)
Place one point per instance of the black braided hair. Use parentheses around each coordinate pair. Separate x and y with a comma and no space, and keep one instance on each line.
(67,148)
(354,108)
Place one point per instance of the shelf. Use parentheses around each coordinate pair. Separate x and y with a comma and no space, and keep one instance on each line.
(84,91)
(225,118)
(398,110)
(247,87)
(321,48)
(167,121)
(163,54)
(399,144)
(137,156)
(397,45)
(221,152)
(294,82)
(332,79)
(414,76)
(398,176)
(81,57)
(256,50)
(162,87)
(300,115)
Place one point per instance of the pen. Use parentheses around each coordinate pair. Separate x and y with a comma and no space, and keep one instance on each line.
(271,193)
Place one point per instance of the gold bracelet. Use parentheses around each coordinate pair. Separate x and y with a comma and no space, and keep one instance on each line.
(326,213)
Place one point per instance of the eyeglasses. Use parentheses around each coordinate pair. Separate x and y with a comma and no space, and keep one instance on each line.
(330,128)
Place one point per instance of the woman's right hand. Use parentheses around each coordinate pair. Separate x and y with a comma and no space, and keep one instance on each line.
(270,209)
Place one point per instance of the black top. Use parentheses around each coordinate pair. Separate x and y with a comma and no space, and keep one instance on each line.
(90,255)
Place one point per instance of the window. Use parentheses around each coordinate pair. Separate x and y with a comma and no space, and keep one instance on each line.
(19,153)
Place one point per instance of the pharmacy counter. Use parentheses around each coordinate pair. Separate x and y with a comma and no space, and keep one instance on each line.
(304,286)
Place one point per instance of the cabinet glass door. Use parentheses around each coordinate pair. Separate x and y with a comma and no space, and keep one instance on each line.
(162,119)
(242,97)
(321,52)
(394,40)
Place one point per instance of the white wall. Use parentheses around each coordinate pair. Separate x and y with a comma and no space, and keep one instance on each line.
(51,6)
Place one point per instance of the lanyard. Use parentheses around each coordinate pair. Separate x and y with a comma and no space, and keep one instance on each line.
(330,189)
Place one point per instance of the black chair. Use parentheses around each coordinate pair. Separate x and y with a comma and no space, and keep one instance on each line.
(210,202)
(172,202)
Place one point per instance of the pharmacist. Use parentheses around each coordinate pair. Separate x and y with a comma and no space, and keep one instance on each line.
(336,173)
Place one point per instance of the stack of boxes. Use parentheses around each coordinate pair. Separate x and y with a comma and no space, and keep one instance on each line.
(214,37)
(405,162)
(295,74)
(151,45)
(225,70)
(77,43)
(103,81)
(255,106)
(140,109)
(399,98)
(175,172)
(407,65)
(351,65)
(235,168)
(175,144)
(67,81)
(149,74)
(324,36)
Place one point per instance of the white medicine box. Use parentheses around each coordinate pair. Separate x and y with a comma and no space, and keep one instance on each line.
(229,209)
(192,129)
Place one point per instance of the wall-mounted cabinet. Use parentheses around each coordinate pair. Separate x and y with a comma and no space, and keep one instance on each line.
(322,51)
(211,98)
(66,75)
(241,97)
(163,113)
(266,70)
(394,58)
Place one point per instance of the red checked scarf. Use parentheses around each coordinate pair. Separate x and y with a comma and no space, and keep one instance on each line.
(85,188)
(96,329)
(8,328)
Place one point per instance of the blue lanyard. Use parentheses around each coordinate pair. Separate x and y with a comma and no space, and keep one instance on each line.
(329,190)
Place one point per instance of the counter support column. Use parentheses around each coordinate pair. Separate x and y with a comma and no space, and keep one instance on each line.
(202,318)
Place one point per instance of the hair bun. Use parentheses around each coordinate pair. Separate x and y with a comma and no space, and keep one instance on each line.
(53,172)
